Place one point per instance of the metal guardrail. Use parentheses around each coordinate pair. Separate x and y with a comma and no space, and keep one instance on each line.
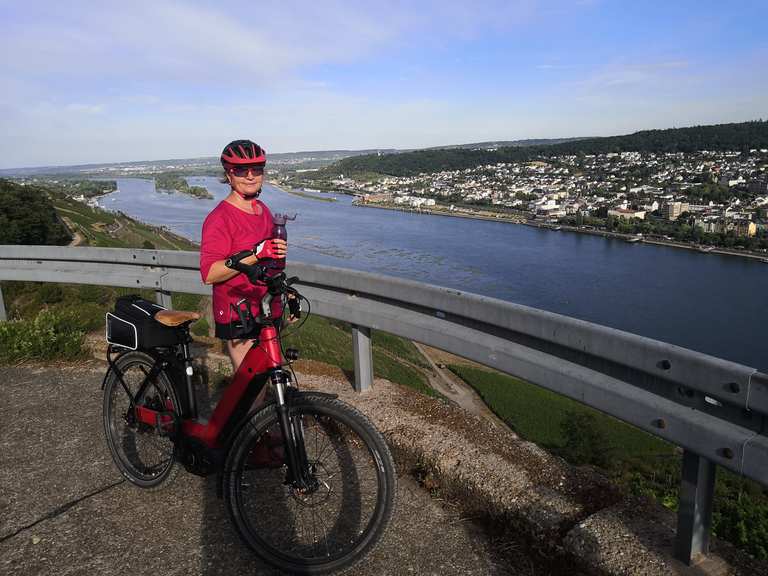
(715,409)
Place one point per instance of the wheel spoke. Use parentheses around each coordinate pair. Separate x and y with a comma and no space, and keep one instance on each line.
(324,524)
(142,454)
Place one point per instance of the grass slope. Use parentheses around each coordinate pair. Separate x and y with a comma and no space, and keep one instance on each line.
(114,230)
(540,415)
(642,464)
(330,341)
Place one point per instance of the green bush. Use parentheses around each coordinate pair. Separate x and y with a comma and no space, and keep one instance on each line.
(50,293)
(585,443)
(52,334)
(201,327)
(182,301)
(96,294)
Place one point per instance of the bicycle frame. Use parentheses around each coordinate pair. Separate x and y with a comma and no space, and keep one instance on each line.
(261,361)
(263,357)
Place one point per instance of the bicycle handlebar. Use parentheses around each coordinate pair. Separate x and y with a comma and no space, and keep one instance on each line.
(277,284)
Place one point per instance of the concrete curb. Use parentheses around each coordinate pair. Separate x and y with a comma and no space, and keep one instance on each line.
(572,516)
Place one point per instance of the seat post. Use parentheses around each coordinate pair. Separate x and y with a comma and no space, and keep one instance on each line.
(188,372)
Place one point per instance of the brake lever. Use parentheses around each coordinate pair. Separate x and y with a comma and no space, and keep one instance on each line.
(294,304)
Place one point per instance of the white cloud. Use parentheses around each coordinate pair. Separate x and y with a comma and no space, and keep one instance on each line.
(643,73)
(85,108)
(163,64)
(87,81)
(245,43)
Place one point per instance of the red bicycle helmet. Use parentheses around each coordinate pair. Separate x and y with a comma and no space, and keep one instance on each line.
(240,152)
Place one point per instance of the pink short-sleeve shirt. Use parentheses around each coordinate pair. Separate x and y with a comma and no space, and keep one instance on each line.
(226,231)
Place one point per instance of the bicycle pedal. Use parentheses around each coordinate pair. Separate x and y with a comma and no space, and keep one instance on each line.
(165,423)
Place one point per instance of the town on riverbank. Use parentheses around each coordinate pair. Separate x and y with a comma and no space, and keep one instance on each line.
(708,200)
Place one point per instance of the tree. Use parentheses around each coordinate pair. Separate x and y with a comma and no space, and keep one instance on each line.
(27,216)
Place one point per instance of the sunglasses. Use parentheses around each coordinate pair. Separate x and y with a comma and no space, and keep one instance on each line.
(242,171)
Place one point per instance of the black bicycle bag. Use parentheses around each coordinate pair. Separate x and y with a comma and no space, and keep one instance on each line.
(133,325)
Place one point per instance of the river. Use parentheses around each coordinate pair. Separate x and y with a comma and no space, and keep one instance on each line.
(711,303)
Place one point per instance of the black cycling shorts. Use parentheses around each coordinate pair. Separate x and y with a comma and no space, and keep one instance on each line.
(235,331)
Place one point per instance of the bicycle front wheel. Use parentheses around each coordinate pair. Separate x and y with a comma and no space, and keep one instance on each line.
(142,455)
(324,529)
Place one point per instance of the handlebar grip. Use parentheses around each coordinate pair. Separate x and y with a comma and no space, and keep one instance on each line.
(235,259)
(254,272)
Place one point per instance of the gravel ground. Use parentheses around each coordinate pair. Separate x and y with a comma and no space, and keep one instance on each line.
(64,508)
(482,501)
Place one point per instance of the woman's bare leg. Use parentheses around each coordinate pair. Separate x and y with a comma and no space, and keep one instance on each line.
(237,349)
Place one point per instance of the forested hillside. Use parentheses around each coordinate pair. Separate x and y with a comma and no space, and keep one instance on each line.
(27,216)
(743,136)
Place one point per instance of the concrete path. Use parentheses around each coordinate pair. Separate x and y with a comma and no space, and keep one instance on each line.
(64,509)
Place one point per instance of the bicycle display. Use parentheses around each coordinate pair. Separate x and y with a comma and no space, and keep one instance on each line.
(308,480)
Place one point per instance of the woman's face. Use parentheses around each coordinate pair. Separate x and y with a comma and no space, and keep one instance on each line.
(249,183)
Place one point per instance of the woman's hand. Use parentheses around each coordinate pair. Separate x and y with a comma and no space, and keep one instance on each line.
(272,248)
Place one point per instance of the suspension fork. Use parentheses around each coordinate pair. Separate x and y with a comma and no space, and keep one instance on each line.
(299,473)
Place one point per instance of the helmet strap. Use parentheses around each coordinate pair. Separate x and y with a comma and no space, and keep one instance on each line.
(253,198)
(248,196)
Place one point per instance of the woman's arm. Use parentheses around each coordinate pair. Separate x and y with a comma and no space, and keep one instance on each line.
(218,272)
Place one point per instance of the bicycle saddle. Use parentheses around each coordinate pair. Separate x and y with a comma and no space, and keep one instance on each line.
(176,317)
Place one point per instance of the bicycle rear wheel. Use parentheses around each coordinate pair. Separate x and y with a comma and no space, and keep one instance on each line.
(142,455)
(326,529)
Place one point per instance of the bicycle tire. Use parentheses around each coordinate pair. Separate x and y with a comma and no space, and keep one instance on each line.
(144,457)
(356,495)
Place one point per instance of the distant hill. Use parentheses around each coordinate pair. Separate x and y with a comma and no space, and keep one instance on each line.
(739,137)
(505,144)
(407,162)
(204,166)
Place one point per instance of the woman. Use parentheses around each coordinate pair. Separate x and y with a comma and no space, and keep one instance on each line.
(239,222)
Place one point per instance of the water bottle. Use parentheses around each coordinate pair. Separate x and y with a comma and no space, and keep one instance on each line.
(279,231)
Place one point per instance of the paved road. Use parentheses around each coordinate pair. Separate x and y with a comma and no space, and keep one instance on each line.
(65,510)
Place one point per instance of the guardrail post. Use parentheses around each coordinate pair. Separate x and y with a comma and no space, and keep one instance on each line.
(164,299)
(361,351)
(3,315)
(694,516)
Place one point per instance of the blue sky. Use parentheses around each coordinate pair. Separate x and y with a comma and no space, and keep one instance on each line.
(106,81)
